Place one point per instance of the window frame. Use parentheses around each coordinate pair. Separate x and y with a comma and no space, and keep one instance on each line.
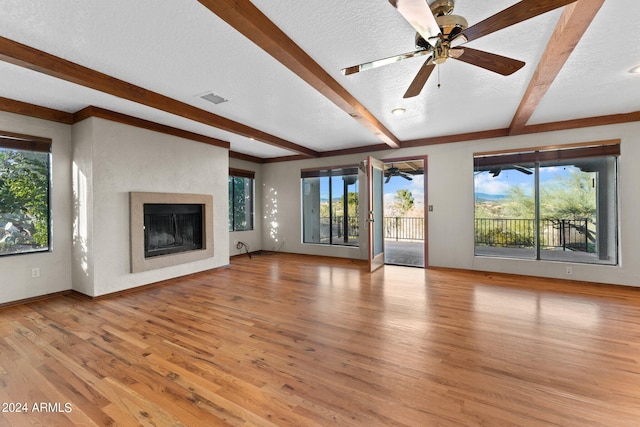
(244,174)
(539,158)
(333,172)
(33,144)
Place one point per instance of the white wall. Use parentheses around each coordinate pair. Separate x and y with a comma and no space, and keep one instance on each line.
(114,159)
(82,265)
(16,282)
(450,191)
(253,238)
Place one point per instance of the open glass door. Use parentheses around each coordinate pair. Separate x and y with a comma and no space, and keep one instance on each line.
(375,219)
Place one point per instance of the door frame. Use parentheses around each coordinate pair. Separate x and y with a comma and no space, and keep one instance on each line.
(425,159)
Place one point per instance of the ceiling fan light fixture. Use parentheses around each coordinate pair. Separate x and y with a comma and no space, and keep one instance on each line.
(440,52)
(440,60)
(398,111)
(460,39)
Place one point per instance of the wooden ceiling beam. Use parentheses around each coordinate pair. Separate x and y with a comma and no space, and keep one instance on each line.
(248,20)
(614,119)
(247,157)
(31,110)
(572,25)
(92,111)
(37,60)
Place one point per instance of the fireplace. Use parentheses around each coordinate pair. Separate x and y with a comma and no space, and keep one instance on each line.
(169,229)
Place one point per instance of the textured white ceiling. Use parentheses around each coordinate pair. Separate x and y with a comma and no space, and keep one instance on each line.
(181,49)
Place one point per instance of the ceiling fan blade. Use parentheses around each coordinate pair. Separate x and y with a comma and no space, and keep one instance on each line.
(420,79)
(490,61)
(419,15)
(519,12)
(380,62)
(522,169)
(405,176)
(388,179)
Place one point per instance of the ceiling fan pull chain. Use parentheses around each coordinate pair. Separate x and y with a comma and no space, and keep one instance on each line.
(438,77)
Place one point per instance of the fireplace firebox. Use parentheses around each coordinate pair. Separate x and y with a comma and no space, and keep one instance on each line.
(172,228)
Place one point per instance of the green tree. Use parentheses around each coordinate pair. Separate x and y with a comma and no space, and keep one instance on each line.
(519,203)
(403,201)
(571,196)
(240,203)
(352,204)
(24,192)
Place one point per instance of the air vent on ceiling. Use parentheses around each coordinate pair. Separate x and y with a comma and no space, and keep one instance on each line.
(213,98)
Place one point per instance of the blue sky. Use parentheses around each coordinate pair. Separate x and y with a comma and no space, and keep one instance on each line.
(500,185)
(416,187)
(484,183)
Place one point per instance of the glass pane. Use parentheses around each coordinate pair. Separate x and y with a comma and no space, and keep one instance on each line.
(231,199)
(315,215)
(24,201)
(578,210)
(248,203)
(378,224)
(324,216)
(337,210)
(242,204)
(505,210)
(352,213)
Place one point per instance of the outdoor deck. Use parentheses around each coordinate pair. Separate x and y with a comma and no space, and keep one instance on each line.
(549,255)
(407,253)
(411,254)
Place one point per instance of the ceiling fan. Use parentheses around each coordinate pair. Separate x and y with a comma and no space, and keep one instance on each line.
(496,171)
(440,34)
(394,171)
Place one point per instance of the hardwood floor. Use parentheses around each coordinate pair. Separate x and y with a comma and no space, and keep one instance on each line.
(281,340)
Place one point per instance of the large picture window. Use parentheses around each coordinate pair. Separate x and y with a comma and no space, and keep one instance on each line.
(24,195)
(548,204)
(330,206)
(240,200)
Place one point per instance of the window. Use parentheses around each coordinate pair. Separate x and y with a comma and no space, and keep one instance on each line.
(24,194)
(240,200)
(548,204)
(330,206)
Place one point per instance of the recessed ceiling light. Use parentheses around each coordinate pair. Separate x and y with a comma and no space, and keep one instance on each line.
(398,111)
(635,70)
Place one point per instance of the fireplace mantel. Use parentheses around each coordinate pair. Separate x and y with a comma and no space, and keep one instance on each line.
(137,201)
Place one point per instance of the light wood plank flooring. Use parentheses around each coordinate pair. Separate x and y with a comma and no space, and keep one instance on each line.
(284,340)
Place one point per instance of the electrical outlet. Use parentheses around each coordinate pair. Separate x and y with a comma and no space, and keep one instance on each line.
(569,270)
(35,272)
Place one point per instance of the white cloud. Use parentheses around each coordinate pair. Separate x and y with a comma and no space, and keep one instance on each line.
(389,198)
(484,183)
(551,170)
